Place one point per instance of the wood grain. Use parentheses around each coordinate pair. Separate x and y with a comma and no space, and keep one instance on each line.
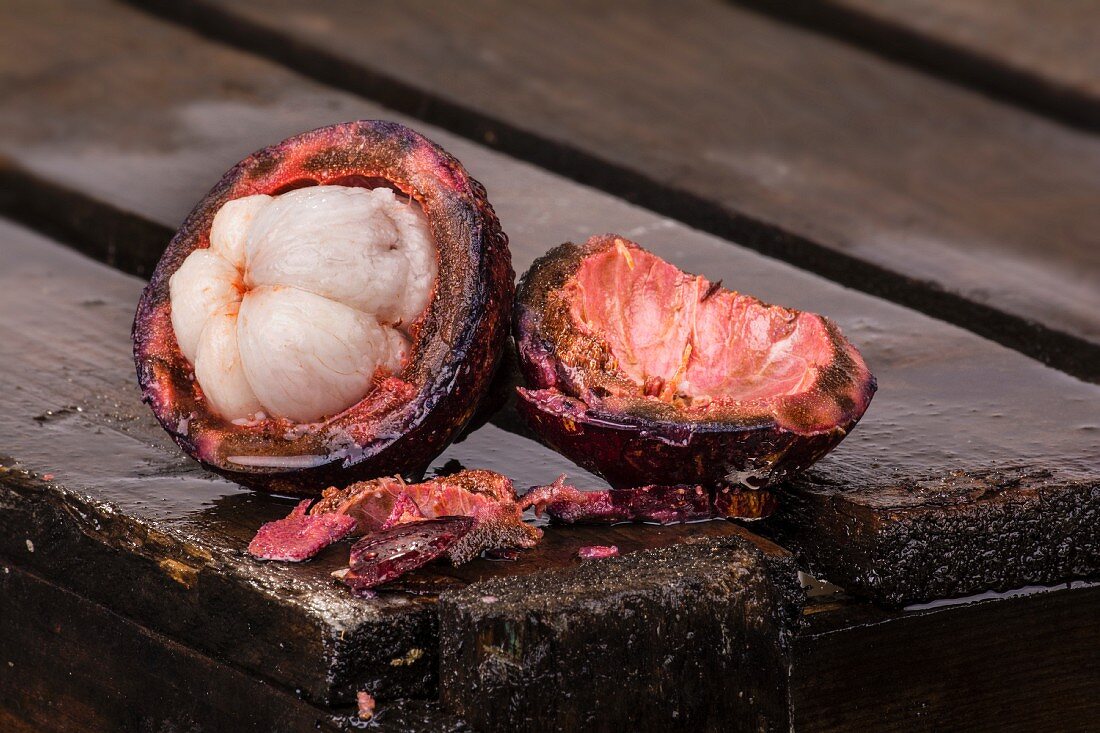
(691,637)
(1036,54)
(132,525)
(148,138)
(878,177)
(1020,664)
(890,540)
(77,666)
(74,665)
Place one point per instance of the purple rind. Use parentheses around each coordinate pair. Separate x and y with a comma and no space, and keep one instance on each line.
(661,504)
(629,451)
(645,442)
(390,553)
(408,419)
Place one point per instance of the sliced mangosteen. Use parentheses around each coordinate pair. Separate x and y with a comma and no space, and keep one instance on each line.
(334,309)
(646,374)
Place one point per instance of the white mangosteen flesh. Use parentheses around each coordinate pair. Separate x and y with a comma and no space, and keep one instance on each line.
(303,299)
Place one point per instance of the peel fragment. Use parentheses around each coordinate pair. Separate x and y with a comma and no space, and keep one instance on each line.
(404,526)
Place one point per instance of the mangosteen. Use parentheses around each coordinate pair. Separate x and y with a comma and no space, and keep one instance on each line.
(333,310)
(646,374)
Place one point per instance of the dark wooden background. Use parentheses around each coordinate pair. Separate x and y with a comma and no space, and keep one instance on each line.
(923,171)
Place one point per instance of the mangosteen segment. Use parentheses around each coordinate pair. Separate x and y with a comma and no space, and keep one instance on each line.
(302,300)
(333,310)
(646,374)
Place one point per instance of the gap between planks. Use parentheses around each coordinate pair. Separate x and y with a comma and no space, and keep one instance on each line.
(939,57)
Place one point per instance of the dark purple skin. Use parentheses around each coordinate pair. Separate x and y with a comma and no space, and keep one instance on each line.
(660,504)
(645,443)
(407,419)
(389,553)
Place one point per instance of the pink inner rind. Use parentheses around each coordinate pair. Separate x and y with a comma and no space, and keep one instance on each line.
(679,336)
(636,375)
(628,334)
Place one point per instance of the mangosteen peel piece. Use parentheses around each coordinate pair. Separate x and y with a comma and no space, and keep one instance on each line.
(300,535)
(645,374)
(655,504)
(390,553)
(400,374)
(660,504)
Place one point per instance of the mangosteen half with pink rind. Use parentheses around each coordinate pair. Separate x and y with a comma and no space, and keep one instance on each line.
(333,310)
(646,374)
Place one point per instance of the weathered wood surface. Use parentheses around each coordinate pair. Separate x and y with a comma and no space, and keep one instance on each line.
(1032,52)
(690,638)
(876,540)
(148,134)
(74,665)
(977,667)
(873,175)
(139,142)
(1021,662)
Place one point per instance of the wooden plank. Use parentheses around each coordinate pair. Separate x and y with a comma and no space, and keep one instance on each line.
(878,177)
(74,665)
(1024,663)
(46,687)
(77,666)
(949,401)
(1042,55)
(1030,524)
(696,638)
(515,645)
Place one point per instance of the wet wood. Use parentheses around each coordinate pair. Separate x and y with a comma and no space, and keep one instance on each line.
(904,541)
(1021,664)
(74,665)
(162,543)
(1034,53)
(791,142)
(691,637)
